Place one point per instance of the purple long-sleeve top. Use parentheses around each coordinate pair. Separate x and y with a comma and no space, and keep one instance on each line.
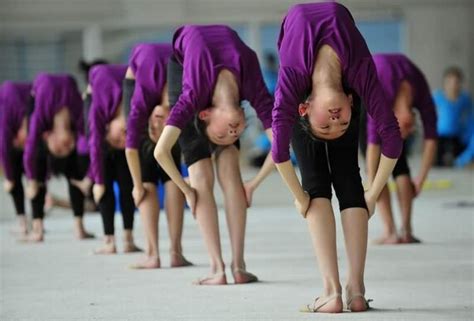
(305,29)
(14,103)
(52,93)
(106,85)
(392,69)
(149,65)
(204,51)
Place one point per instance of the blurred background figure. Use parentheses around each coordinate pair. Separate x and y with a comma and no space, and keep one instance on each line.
(455,119)
(15,107)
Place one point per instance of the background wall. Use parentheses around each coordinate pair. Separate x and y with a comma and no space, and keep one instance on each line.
(52,35)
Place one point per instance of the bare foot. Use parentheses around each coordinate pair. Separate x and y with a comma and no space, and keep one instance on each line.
(33,237)
(218,278)
(149,262)
(107,248)
(84,235)
(130,247)
(178,260)
(386,240)
(408,238)
(325,304)
(241,276)
(19,231)
(357,303)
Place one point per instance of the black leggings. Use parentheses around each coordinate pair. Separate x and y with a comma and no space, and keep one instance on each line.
(448,149)
(73,166)
(116,169)
(17,192)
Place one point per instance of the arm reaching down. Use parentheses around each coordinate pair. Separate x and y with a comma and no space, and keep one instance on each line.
(384,169)
(429,152)
(267,167)
(163,155)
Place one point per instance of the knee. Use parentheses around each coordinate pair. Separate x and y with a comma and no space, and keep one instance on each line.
(202,181)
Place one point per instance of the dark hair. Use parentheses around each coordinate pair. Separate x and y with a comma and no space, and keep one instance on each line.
(306,127)
(85,67)
(454,71)
(270,59)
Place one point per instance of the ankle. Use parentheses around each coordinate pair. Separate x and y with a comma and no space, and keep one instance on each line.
(176,251)
(406,230)
(218,267)
(355,287)
(38,226)
(332,287)
(127,236)
(109,240)
(235,265)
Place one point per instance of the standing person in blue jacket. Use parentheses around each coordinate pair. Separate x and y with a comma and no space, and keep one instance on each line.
(455,113)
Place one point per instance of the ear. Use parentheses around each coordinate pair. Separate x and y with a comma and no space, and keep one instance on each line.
(303,109)
(204,114)
(351,100)
(46,135)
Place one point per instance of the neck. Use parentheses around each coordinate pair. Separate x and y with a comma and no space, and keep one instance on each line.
(452,94)
(327,72)
(226,90)
(62,120)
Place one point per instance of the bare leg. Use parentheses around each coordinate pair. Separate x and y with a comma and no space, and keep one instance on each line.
(230,179)
(149,212)
(406,195)
(385,208)
(174,206)
(129,245)
(79,229)
(354,223)
(201,176)
(322,228)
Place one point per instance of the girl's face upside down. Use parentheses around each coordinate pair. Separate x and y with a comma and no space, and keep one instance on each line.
(223,125)
(329,114)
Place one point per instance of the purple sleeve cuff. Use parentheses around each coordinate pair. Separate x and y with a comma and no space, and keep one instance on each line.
(180,114)
(372,136)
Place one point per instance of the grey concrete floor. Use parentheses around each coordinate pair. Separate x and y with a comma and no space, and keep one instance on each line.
(62,280)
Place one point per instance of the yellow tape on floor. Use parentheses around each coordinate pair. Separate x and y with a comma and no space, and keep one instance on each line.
(438,184)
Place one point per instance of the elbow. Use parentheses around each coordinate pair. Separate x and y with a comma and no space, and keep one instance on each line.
(159,153)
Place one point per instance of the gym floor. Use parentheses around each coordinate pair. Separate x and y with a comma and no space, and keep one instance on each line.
(62,280)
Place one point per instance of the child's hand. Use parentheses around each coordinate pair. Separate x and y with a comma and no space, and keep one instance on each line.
(191,199)
(303,205)
(98,192)
(8,186)
(249,188)
(32,189)
(138,194)
(370,201)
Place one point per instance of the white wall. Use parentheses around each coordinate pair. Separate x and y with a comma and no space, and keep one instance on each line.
(438,32)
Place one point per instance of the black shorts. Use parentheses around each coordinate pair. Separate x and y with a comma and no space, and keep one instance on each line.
(333,162)
(401,167)
(151,170)
(194,145)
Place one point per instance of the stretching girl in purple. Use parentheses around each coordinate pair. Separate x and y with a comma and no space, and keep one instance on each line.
(211,72)
(56,143)
(146,97)
(405,88)
(325,70)
(15,106)
(107,153)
